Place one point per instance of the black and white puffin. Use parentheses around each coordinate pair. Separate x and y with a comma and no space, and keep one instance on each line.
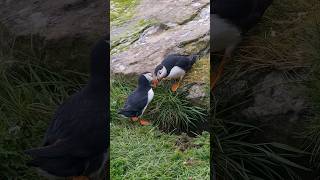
(230,20)
(174,66)
(139,99)
(75,145)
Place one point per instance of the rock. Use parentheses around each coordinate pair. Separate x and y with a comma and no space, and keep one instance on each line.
(156,42)
(197,93)
(169,12)
(55,20)
(277,97)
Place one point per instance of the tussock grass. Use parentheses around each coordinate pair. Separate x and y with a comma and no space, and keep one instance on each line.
(172,111)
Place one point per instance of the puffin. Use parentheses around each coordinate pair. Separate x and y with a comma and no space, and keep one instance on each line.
(230,21)
(174,66)
(139,99)
(75,145)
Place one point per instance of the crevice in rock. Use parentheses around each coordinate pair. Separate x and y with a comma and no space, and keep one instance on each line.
(130,39)
(184,43)
(193,16)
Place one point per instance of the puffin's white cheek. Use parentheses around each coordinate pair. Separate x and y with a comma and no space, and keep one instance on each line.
(162,75)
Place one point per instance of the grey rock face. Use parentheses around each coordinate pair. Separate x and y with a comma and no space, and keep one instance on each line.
(197,93)
(181,23)
(276,97)
(180,27)
(55,19)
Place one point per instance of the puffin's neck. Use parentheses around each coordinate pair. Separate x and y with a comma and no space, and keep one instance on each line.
(143,83)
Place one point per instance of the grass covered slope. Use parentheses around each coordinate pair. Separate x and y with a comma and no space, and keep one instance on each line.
(146,153)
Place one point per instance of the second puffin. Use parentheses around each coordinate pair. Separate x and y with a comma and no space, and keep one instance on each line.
(174,66)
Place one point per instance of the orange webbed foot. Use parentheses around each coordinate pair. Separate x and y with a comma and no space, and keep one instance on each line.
(175,86)
(144,122)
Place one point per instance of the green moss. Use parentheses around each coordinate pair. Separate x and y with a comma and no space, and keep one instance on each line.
(121,11)
(121,43)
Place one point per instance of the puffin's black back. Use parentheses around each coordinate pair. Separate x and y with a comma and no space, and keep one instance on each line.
(243,13)
(77,138)
(138,99)
(183,61)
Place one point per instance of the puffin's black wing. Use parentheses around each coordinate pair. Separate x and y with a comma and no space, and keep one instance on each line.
(185,62)
(135,103)
(76,135)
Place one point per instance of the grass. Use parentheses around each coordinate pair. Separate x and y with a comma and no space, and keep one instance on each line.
(146,153)
(29,93)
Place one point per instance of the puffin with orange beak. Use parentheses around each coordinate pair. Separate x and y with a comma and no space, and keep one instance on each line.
(139,99)
(174,66)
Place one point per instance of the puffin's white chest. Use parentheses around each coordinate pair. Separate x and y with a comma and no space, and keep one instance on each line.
(224,34)
(150,97)
(176,73)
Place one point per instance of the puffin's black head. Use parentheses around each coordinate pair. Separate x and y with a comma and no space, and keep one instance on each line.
(145,79)
(99,60)
(160,72)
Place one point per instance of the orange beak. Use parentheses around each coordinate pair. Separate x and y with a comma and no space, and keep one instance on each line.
(154,83)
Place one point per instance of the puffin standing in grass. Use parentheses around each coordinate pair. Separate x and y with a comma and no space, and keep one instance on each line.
(174,66)
(230,20)
(139,99)
(76,142)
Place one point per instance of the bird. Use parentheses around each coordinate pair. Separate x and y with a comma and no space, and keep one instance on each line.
(139,99)
(230,21)
(174,66)
(75,145)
